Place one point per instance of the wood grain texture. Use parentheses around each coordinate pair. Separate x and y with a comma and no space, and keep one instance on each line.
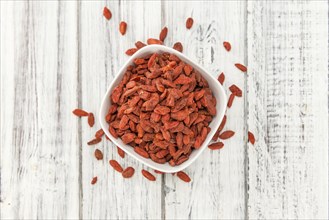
(217,190)
(288,109)
(39,138)
(102,55)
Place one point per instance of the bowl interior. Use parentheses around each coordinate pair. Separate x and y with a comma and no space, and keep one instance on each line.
(214,85)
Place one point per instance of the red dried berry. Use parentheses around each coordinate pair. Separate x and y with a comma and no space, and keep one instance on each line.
(116,165)
(139,44)
(230,100)
(99,133)
(94,141)
(153,41)
(222,124)
(226,134)
(121,152)
(251,137)
(91,119)
(128,172)
(123,27)
(241,67)
(221,78)
(189,23)
(227,45)
(107,13)
(141,152)
(178,46)
(163,34)
(236,90)
(98,154)
(216,146)
(94,180)
(131,51)
(80,112)
(148,175)
(183,176)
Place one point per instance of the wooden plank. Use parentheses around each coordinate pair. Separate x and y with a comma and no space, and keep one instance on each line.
(217,190)
(102,54)
(39,137)
(288,109)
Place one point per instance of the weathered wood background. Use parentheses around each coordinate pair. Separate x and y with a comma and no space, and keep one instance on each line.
(59,55)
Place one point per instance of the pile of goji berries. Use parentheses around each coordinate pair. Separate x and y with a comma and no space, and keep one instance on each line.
(162,108)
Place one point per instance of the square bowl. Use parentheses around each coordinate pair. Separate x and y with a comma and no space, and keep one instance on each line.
(214,85)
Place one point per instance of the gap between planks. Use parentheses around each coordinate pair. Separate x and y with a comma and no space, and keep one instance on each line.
(79,91)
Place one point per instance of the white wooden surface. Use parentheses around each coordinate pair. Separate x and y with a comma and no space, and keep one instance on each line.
(56,56)
(288,110)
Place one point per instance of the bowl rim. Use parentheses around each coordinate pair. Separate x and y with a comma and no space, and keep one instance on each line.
(121,72)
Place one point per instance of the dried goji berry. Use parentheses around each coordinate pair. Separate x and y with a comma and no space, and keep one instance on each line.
(80,112)
(181,160)
(227,45)
(183,176)
(178,46)
(236,90)
(91,119)
(226,134)
(94,141)
(116,165)
(148,175)
(98,154)
(189,23)
(216,146)
(251,137)
(154,41)
(241,67)
(99,133)
(121,152)
(131,51)
(141,152)
(230,100)
(94,180)
(139,44)
(123,27)
(222,124)
(107,13)
(128,172)
(163,34)
(221,78)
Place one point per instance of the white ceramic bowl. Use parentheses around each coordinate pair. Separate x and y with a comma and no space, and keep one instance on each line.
(214,85)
